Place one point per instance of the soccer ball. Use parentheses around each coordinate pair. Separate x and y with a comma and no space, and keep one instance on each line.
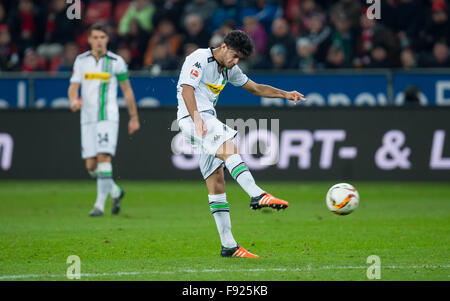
(342,199)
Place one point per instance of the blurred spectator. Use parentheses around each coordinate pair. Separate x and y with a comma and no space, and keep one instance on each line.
(256,32)
(379,57)
(304,60)
(164,33)
(278,57)
(3,19)
(281,35)
(319,36)
(114,40)
(336,58)
(9,55)
(370,34)
(408,20)
(162,59)
(169,9)
(195,33)
(59,30)
(203,8)
(70,54)
(351,8)
(26,25)
(412,96)
(265,11)
(140,10)
(32,62)
(342,36)
(408,59)
(228,10)
(301,17)
(437,27)
(188,48)
(125,53)
(292,13)
(135,41)
(439,58)
(218,36)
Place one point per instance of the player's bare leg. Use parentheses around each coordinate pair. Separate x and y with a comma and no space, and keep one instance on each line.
(221,212)
(91,167)
(228,153)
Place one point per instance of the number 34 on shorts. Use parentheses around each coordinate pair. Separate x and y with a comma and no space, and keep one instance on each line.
(99,137)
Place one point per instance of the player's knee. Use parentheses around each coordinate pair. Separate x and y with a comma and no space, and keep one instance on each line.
(103,158)
(226,150)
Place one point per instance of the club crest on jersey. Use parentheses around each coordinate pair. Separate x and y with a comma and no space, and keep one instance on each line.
(194,73)
(197,64)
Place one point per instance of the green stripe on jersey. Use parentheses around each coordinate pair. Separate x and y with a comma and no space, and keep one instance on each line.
(103,91)
(224,82)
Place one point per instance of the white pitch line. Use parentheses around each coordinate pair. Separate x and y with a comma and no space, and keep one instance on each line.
(307,268)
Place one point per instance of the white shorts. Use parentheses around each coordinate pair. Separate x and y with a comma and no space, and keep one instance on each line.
(99,138)
(206,147)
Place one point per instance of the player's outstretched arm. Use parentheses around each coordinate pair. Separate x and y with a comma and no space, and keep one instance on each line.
(128,94)
(271,92)
(75,101)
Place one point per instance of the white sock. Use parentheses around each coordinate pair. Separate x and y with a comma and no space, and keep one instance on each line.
(104,184)
(221,212)
(115,190)
(93,173)
(242,175)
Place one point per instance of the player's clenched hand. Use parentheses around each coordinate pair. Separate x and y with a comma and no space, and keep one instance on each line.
(295,96)
(133,125)
(200,126)
(75,104)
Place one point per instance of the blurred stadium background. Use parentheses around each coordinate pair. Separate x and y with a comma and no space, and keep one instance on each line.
(363,78)
(378,108)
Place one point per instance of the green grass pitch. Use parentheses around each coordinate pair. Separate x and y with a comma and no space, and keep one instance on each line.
(165,231)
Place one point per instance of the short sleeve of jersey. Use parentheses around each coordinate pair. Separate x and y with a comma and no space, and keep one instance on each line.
(192,70)
(77,73)
(236,77)
(121,70)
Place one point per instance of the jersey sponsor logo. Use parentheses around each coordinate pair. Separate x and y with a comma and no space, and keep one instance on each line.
(103,76)
(216,89)
(194,73)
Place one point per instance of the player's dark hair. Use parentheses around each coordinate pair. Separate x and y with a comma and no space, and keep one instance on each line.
(239,41)
(98,26)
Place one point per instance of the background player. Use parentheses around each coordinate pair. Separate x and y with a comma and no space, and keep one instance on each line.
(99,72)
(203,76)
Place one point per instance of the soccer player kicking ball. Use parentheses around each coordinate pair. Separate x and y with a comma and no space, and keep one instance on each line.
(204,74)
(98,71)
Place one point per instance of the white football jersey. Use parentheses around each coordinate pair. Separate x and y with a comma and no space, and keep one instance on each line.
(200,70)
(99,82)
